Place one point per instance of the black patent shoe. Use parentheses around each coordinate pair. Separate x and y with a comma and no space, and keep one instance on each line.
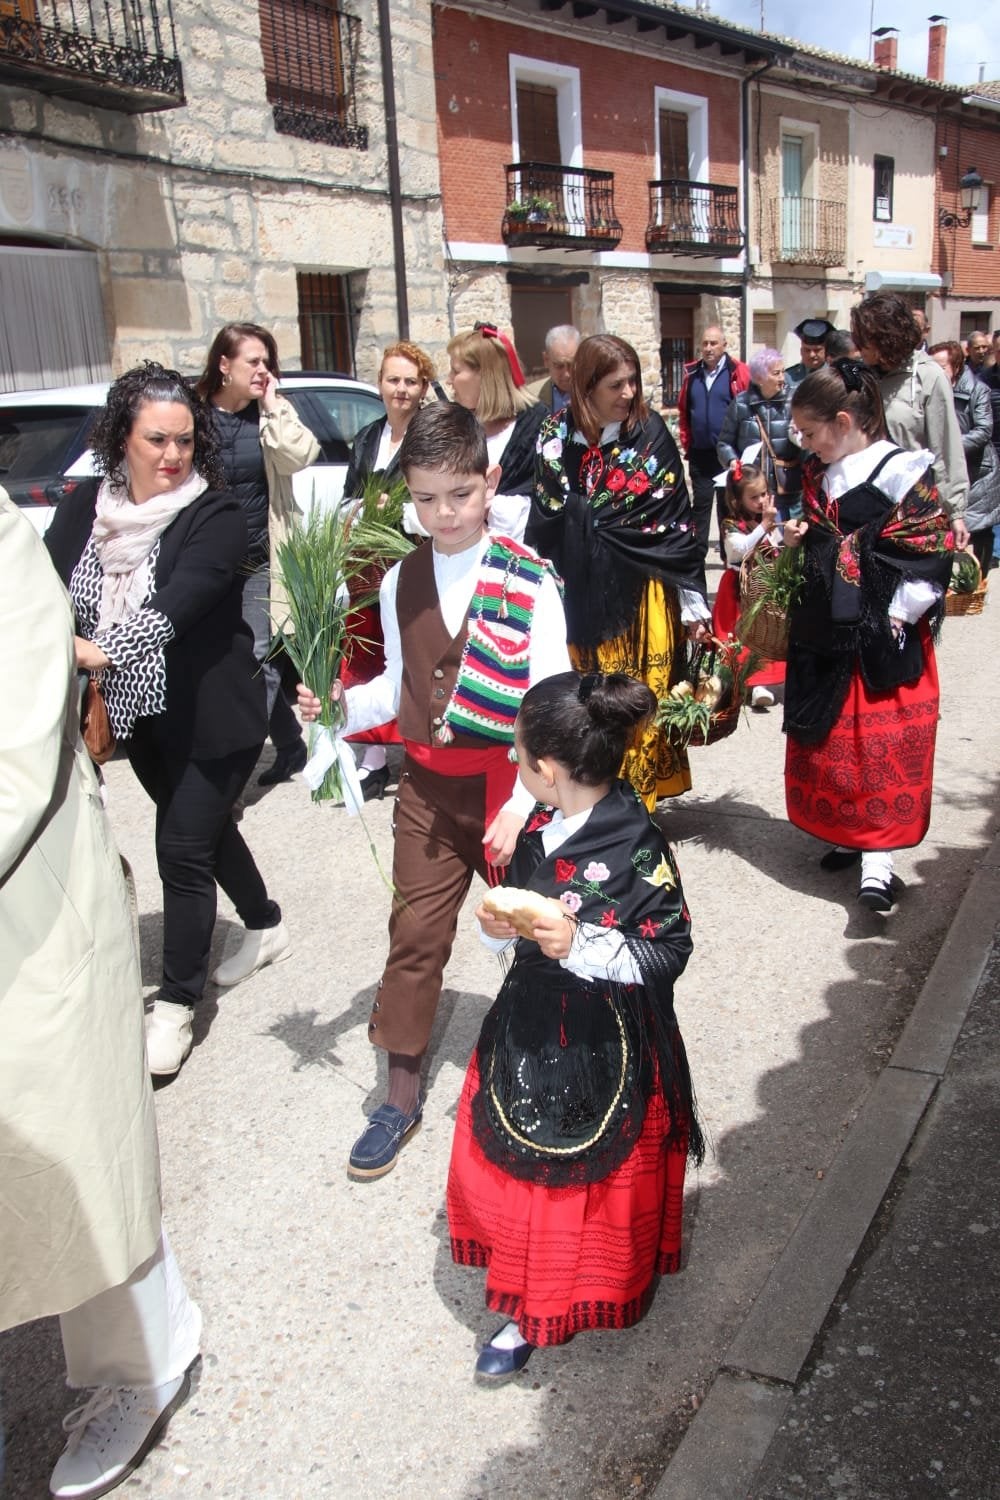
(495,1364)
(374,784)
(877,895)
(285,764)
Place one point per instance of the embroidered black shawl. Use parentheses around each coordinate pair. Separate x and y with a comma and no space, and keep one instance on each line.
(856,552)
(566,1064)
(610,519)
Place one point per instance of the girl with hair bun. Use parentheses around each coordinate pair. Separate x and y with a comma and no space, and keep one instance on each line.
(861,686)
(577,1116)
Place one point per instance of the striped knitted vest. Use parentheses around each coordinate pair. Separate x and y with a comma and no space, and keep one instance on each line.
(494,673)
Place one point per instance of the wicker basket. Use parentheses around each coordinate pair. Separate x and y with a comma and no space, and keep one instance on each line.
(721,724)
(967,604)
(766,634)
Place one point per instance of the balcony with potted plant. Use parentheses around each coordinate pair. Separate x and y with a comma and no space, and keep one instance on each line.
(558,207)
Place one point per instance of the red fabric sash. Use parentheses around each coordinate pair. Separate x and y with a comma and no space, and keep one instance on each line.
(494,763)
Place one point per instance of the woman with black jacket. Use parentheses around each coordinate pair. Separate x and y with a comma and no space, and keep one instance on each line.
(151,555)
(762,415)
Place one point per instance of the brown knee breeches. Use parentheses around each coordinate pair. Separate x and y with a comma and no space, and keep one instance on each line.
(440,821)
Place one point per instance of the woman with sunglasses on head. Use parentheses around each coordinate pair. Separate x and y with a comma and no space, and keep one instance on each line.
(151,554)
(487,379)
(611,511)
(861,686)
(262,444)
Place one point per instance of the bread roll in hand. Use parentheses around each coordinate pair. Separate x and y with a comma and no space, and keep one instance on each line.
(521,908)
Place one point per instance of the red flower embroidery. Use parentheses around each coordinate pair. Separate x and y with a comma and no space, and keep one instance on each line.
(608,918)
(639,483)
(540,819)
(648,928)
(616,480)
(565,870)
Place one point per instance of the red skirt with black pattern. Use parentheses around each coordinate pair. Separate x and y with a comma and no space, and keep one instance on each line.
(868,785)
(562,1260)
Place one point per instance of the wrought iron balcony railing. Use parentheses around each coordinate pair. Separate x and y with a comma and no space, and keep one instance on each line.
(310,51)
(808,231)
(693,218)
(565,208)
(117,54)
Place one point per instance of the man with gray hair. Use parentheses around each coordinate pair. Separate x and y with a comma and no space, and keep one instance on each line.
(561,344)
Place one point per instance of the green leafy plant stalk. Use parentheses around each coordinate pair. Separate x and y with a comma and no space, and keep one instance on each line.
(320,565)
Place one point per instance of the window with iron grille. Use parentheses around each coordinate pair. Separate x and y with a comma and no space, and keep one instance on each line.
(325,322)
(310,51)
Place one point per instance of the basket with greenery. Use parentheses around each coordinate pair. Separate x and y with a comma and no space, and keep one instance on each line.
(769,586)
(320,565)
(704,705)
(967,590)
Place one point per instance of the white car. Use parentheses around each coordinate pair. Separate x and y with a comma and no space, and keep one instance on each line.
(44,452)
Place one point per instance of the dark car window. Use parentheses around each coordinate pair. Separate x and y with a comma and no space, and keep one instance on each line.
(335,417)
(37,444)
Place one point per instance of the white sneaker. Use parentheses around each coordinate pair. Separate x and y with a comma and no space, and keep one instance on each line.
(260,946)
(168,1037)
(110,1435)
(761,698)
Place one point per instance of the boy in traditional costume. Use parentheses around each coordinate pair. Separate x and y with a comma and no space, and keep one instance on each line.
(470,623)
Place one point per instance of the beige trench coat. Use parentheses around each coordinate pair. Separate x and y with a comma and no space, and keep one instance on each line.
(287,446)
(79,1179)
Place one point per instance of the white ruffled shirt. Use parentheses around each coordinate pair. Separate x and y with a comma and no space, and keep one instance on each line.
(913,596)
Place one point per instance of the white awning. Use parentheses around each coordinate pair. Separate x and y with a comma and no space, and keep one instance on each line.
(902,281)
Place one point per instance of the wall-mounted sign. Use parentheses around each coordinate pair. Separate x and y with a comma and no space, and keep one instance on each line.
(893,237)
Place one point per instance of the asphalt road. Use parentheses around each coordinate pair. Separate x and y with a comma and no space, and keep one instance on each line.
(339,1337)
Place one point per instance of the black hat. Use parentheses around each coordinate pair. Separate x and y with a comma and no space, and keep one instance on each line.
(813,330)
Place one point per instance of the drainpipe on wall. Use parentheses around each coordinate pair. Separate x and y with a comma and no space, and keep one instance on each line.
(392,155)
(745,130)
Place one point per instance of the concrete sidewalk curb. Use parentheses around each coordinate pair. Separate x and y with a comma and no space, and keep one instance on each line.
(727,1440)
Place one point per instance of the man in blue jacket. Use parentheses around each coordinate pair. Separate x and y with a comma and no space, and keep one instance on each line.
(710,383)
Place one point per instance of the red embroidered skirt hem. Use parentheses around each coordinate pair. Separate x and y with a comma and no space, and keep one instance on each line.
(562,1260)
(868,785)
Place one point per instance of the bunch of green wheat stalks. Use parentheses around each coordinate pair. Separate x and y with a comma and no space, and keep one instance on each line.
(319,563)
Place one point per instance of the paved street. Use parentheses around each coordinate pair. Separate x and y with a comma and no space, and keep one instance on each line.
(339,1338)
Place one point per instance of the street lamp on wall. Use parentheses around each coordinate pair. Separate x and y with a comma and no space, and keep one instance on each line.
(970,188)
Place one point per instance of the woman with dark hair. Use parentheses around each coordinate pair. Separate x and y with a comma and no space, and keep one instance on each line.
(262,444)
(861,687)
(611,511)
(404,377)
(577,1116)
(974,410)
(760,417)
(487,379)
(916,397)
(151,554)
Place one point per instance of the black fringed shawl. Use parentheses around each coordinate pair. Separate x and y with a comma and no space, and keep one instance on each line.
(610,519)
(566,1064)
(856,552)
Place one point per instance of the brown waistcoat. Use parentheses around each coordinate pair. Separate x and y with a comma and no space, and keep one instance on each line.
(431,658)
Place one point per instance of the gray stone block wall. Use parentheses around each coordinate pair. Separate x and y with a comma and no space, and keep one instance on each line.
(205,213)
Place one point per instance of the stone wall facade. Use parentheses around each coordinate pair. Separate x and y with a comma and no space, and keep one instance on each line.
(204,214)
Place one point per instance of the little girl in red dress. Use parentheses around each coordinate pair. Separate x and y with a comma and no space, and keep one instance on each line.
(577,1117)
(750,525)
